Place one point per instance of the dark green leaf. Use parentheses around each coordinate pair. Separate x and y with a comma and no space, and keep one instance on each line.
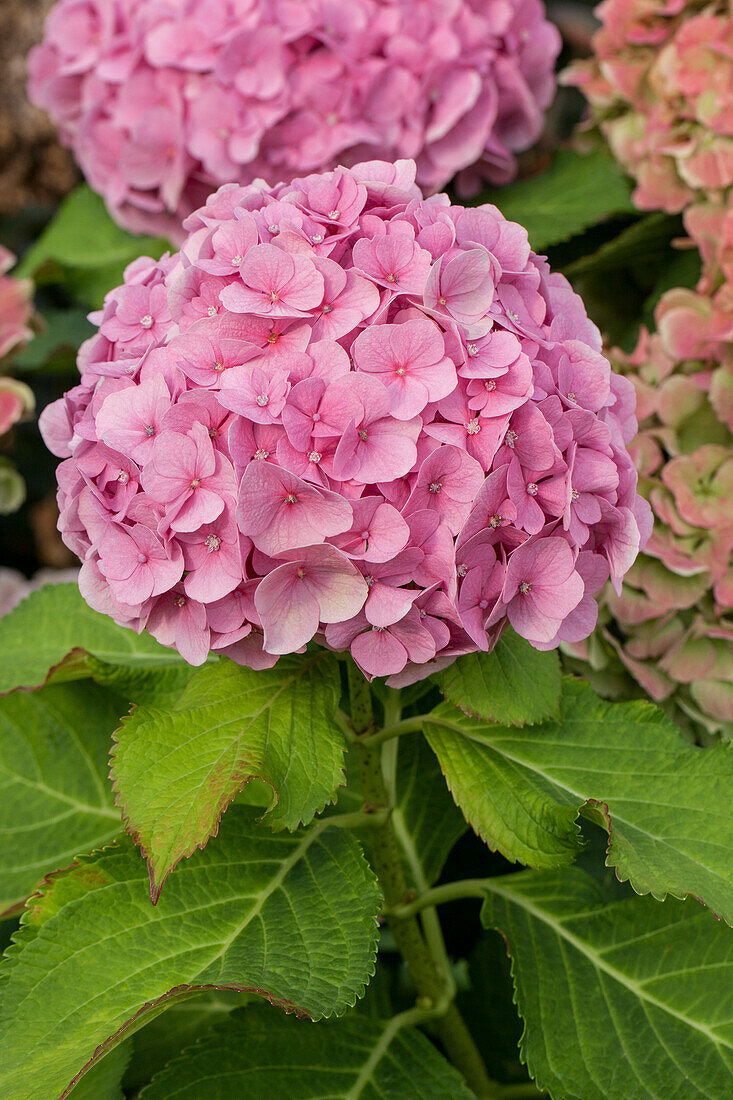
(665,803)
(56,345)
(55,799)
(176,771)
(85,249)
(575,192)
(258,1054)
(627,1001)
(289,916)
(515,684)
(644,242)
(55,623)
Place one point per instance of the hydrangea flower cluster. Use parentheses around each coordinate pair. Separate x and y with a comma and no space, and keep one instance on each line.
(163,101)
(661,87)
(346,412)
(672,626)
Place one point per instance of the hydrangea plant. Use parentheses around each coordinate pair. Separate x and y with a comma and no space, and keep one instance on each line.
(162,101)
(347,412)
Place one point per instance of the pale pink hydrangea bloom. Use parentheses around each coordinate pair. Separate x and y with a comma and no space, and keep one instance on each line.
(446,455)
(672,626)
(660,85)
(163,101)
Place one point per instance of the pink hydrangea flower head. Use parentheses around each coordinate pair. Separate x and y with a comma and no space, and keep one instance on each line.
(15,306)
(447,456)
(162,102)
(671,628)
(660,86)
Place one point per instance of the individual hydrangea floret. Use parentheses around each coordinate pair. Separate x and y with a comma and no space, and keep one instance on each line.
(163,101)
(661,86)
(347,413)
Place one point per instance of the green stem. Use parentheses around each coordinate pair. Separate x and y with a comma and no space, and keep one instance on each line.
(439,895)
(396,729)
(432,988)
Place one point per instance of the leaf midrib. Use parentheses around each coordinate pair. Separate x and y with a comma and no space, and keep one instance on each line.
(562,933)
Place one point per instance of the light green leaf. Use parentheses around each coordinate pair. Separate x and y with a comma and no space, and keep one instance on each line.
(425,818)
(175,771)
(289,916)
(515,684)
(85,249)
(665,803)
(256,1053)
(103,1081)
(55,799)
(54,626)
(627,1001)
(577,191)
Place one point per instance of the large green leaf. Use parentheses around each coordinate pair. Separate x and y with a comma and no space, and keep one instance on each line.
(176,771)
(627,1001)
(515,684)
(104,1080)
(289,916)
(643,243)
(666,804)
(425,818)
(85,249)
(55,625)
(55,799)
(256,1053)
(576,191)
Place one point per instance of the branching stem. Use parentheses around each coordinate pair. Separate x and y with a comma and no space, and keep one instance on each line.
(435,992)
(439,895)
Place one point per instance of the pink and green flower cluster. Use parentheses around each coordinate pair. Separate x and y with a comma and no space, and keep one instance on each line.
(672,626)
(661,87)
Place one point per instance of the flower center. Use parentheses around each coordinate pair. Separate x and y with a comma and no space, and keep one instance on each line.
(218,365)
(146,321)
(532,489)
(262,399)
(236,260)
(333,214)
(462,569)
(510,438)
(363,435)
(490,384)
(326,309)
(315,456)
(495,520)
(512,316)
(300,572)
(400,371)
(274,296)
(473,426)
(259,453)
(435,486)
(123,477)
(195,483)
(369,579)
(273,338)
(572,397)
(291,499)
(574,494)
(391,278)
(212,311)
(179,601)
(442,301)
(317,238)
(212,542)
(142,558)
(472,350)
(273,228)
(525,587)
(149,430)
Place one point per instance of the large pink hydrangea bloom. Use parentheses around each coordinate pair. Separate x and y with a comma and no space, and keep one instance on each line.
(348,413)
(661,87)
(162,100)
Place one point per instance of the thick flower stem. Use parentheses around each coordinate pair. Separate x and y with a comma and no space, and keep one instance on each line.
(434,988)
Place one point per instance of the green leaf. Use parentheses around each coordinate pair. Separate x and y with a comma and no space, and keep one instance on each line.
(515,684)
(103,1081)
(53,626)
(55,800)
(643,243)
(176,771)
(56,345)
(574,193)
(258,1054)
(665,803)
(85,249)
(627,1001)
(289,916)
(425,818)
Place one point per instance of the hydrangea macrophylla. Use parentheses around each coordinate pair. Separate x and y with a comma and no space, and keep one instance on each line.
(161,102)
(661,87)
(672,626)
(449,456)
